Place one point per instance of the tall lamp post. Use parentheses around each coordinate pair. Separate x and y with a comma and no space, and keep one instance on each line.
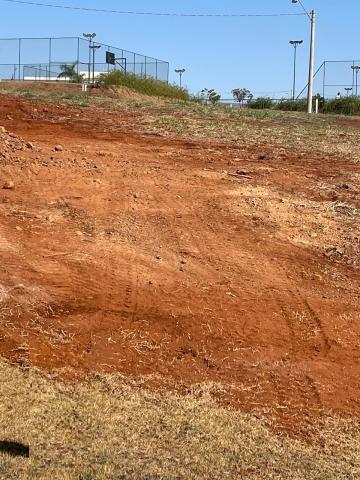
(295,44)
(94,48)
(90,37)
(356,69)
(180,71)
(312,18)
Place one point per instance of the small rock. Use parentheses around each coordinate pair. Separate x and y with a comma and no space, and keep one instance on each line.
(30,145)
(9,185)
(59,148)
(2,129)
(344,186)
(19,229)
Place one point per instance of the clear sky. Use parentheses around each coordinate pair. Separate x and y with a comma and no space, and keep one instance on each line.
(220,53)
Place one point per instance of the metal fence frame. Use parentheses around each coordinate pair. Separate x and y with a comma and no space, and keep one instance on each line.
(138,64)
(325,79)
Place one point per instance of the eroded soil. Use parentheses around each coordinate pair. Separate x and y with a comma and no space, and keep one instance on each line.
(137,253)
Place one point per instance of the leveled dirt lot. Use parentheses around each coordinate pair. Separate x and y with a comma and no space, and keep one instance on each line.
(185,245)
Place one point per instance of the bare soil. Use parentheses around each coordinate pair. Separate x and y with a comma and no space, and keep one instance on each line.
(138,253)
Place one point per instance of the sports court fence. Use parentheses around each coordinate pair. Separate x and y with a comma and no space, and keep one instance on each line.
(44,58)
(334,77)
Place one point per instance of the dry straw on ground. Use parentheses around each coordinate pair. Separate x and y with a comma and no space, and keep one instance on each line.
(112,429)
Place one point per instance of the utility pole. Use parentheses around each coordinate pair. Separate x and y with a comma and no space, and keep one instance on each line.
(295,44)
(90,37)
(180,71)
(94,48)
(312,18)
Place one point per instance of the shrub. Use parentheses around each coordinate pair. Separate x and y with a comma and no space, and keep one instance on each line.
(147,86)
(292,105)
(261,103)
(343,106)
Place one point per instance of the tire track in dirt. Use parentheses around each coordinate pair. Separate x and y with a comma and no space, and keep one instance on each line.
(296,393)
(307,334)
(130,286)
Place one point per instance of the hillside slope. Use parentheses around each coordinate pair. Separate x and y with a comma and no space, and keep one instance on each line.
(146,242)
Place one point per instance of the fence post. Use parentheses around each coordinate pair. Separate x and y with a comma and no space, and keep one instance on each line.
(145,68)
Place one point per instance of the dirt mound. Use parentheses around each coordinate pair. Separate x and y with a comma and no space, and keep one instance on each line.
(11,145)
(126,93)
(72,88)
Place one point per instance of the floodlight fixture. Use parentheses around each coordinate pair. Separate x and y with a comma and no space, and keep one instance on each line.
(89,36)
(180,71)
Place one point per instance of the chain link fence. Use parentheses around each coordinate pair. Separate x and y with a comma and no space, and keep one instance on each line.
(335,77)
(45,58)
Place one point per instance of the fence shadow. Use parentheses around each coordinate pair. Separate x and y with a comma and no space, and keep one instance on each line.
(14,449)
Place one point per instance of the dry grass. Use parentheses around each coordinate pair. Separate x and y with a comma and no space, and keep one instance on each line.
(112,429)
(324,134)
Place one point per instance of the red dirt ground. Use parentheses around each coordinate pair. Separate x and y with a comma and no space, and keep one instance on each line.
(127,252)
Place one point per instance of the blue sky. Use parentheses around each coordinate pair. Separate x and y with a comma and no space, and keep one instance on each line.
(220,53)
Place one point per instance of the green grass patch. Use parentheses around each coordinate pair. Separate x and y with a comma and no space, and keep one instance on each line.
(343,106)
(261,103)
(146,86)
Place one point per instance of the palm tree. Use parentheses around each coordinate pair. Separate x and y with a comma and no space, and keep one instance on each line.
(69,72)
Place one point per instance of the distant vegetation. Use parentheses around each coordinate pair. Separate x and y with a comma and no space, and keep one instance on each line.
(146,86)
(68,72)
(210,96)
(261,103)
(242,94)
(341,106)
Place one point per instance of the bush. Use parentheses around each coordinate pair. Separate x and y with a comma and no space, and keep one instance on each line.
(147,86)
(292,105)
(260,103)
(343,106)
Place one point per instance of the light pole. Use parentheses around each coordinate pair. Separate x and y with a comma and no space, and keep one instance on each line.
(94,48)
(312,18)
(295,44)
(90,37)
(356,69)
(180,71)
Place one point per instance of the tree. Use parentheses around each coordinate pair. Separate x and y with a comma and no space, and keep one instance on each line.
(210,96)
(69,72)
(242,94)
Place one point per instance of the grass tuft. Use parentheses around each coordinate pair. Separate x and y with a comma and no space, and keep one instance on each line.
(146,86)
